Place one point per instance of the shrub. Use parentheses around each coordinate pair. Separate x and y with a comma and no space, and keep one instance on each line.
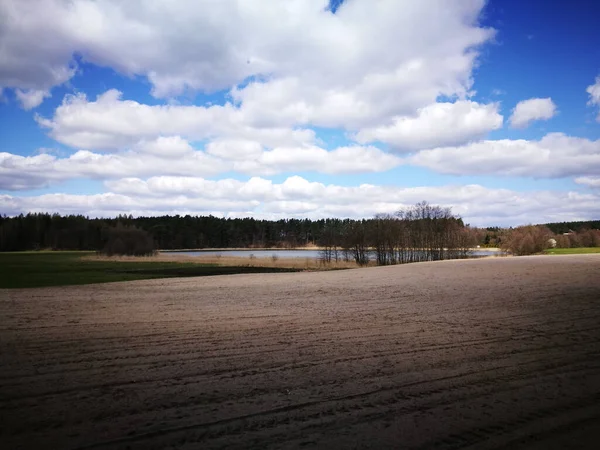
(527,240)
(125,240)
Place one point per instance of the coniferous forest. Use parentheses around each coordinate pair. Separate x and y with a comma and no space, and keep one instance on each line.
(75,232)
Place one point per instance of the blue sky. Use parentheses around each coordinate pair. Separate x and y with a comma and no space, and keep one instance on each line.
(302,109)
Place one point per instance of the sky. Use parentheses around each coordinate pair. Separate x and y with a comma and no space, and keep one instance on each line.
(301,108)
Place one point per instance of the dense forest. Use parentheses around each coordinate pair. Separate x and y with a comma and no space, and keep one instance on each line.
(45,231)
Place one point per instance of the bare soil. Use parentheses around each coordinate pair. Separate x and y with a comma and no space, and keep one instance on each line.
(486,354)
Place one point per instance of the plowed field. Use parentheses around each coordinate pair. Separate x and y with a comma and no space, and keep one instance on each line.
(495,353)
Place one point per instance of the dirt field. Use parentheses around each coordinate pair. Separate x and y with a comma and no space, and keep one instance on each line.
(495,353)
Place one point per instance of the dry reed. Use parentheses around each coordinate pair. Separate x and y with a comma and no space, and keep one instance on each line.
(236,261)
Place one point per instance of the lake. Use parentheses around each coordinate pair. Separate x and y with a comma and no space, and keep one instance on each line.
(290,253)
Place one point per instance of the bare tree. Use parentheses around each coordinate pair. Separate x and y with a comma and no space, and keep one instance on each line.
(527,240)
(330,242)
(355,242)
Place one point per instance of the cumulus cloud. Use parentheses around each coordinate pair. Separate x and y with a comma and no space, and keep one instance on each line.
(555,155)
(111,123)
(173,155)
(594,93)
(593,182)
(29,172)
(31,98)
(439,124)
(530,110)
(165,146)
(355,159)
(298,197)
(207,46)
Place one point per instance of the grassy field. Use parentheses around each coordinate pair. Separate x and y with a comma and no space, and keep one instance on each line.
(572,251)
(37,269)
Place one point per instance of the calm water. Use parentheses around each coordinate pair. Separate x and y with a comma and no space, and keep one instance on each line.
(287,253)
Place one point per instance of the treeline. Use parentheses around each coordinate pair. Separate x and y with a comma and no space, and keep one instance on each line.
(531,239)
(569,227)
(423,232)
(75,232)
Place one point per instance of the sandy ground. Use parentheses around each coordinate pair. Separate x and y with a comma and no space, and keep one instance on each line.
(485,354)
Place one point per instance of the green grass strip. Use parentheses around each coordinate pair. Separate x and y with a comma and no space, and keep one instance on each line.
(572,251)
(39,269)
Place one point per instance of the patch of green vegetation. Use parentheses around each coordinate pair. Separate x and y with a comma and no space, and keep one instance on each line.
(38,269)
(572,251)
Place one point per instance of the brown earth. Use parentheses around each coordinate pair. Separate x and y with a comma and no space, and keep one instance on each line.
(494,353)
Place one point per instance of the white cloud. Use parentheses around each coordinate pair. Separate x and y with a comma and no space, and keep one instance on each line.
(166,146)
(31,98)
(374,98)
(298,197)
(110,123)
(555,155)
(594,92)
(416,51)
(593,182)
(355,159)
(173,155)
(29,172)
(527,111)
(19,173)
(440,124)
(235,149)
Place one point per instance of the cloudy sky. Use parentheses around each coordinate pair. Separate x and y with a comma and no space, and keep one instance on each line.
(301,108)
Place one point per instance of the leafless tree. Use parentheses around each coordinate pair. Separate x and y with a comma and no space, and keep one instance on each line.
(527,240)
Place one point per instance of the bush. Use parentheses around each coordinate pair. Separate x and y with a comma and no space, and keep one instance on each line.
(124,240)
(527,240)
